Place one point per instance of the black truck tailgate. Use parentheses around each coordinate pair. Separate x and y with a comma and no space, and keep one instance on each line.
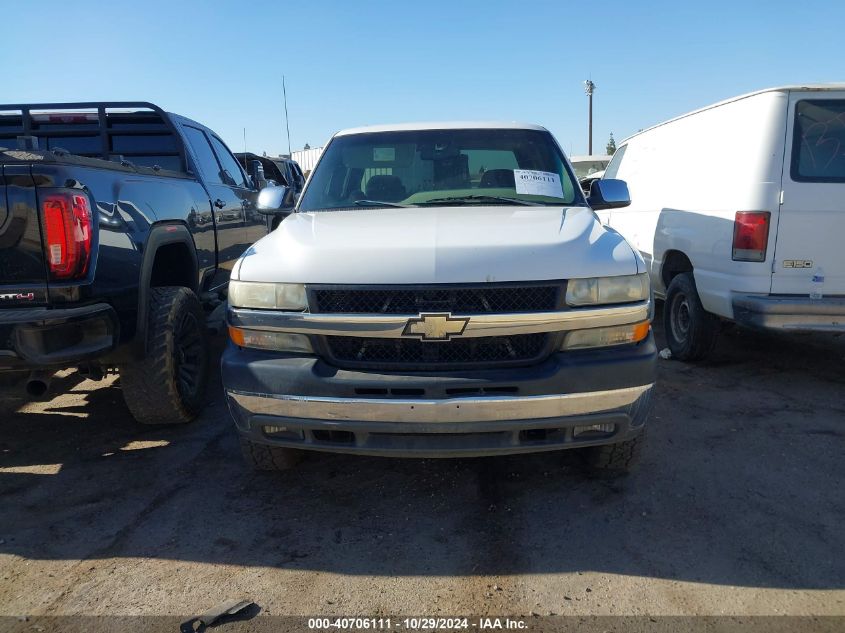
(23,275)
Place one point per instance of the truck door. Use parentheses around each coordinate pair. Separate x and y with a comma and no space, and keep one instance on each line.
(255,224)
(811,225)
(227,205)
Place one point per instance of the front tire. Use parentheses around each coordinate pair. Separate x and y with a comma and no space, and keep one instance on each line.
(269,458)
(168,386)
(691,331)
(613,460)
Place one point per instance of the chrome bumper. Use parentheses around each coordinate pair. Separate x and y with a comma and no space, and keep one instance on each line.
(443,428)
(446,411)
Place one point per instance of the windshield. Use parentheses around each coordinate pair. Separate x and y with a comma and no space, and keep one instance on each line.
(584,168)
(442,167)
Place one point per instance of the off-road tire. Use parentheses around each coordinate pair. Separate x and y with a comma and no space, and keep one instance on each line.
(168,386)
(690,330)
(613,460)
(263,457)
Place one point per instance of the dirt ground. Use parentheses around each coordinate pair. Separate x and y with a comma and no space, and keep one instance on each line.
(737,508)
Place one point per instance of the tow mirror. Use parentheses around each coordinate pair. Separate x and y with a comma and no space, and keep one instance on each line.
(275,200)
(608,193)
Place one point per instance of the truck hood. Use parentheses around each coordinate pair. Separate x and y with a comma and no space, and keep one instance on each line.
(435,245)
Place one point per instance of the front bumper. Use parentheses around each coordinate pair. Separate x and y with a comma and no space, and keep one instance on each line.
(301,402)
(32,338)
(800,314)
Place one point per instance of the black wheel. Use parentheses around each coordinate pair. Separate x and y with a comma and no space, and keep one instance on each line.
(263,457)
(168,386)
(691,331)
(613,460)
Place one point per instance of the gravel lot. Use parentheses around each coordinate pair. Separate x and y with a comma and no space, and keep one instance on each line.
(737,508)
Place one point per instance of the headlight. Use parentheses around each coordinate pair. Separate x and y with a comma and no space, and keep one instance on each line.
(276,341)
(269,296)
(601,290)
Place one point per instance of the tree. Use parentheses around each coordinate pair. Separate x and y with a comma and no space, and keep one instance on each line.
(611,145)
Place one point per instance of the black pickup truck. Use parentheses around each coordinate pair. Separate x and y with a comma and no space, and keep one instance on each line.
(119,224)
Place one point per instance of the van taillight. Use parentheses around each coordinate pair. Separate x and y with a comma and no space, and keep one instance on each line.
(751,236)
(67,228)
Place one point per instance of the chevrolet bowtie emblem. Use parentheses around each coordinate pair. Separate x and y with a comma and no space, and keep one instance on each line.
(435,326)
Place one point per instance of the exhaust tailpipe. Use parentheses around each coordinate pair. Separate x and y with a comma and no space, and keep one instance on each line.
(38,384)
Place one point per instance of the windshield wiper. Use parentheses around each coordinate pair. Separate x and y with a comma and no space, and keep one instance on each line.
(479,198)
(380,203)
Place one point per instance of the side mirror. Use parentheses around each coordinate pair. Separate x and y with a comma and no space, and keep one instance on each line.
(275,200)
(257,173)
(608,194)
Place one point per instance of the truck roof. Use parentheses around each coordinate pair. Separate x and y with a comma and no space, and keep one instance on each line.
(788,88)
(442,125)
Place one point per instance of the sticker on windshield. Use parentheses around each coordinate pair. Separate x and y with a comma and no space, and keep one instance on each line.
(384,154)
(538,183)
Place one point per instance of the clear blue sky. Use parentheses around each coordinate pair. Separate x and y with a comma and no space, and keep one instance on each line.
(356,63)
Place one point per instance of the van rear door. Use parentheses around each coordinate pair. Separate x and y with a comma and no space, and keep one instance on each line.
(811,227)
(23,275)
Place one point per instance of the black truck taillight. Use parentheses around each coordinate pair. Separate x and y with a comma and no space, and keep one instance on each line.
(751,236)
(67,234)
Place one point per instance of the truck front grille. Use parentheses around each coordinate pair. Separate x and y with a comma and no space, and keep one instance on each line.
(383,353)
(480,299)
(458,353)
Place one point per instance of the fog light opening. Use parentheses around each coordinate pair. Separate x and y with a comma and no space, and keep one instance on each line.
(282,432)
(593,430)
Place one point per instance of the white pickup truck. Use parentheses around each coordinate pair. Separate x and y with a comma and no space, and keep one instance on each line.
(441,290)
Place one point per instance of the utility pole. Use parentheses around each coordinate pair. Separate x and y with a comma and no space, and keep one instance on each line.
(589,87)
(287,124)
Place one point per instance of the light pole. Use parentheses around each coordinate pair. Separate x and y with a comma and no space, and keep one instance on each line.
(589,87)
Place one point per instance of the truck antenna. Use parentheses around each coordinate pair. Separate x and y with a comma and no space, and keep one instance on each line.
(287,123)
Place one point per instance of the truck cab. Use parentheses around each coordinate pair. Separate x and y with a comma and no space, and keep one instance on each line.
(442,290)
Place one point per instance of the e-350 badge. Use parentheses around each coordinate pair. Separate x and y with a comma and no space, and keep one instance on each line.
(798,263)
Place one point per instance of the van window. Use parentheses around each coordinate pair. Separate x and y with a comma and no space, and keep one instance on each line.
(818,141)
(615,162)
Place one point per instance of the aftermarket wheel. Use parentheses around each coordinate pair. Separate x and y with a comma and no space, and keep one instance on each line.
(691,331)
(168,386)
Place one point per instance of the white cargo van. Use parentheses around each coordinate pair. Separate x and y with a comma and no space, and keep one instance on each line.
(739,212)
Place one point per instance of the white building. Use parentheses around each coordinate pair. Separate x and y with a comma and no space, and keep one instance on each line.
(307,158)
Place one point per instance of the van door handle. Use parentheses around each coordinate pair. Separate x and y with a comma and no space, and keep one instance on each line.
(219,203)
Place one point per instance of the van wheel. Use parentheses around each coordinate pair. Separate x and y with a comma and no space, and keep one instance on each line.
(691,331)
(263,457)
(613,460)
(168,386)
